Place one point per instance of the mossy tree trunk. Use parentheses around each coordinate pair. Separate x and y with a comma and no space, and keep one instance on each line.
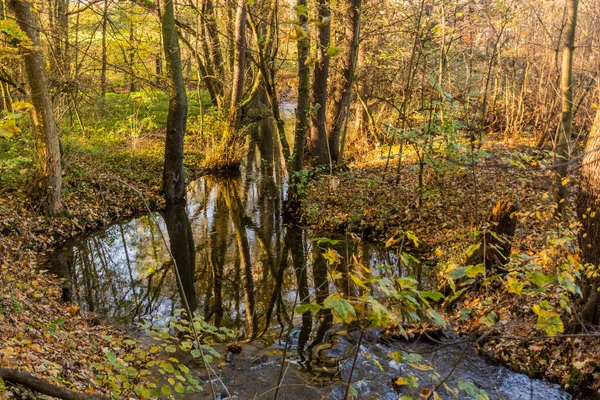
(173,175)
(237,91)
(48,180)
(319,146)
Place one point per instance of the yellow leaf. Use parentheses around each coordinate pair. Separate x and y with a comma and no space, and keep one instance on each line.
(36,347)
(74,309)
(400,381)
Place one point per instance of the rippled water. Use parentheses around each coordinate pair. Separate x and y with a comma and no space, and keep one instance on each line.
(243,268)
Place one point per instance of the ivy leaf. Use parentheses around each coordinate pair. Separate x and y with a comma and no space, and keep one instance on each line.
(341,307)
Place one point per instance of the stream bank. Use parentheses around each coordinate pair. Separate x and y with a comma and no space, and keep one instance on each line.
(248,273)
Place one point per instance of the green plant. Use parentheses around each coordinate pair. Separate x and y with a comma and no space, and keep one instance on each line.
(152,370)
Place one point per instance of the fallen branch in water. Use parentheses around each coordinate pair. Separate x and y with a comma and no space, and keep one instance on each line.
(41,386)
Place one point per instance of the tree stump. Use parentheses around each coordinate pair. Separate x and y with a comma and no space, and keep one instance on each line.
(495,243)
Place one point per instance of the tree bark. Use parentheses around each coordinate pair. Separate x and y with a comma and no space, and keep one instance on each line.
(318,146)
(588,211)
(341,96)
(41,386)
(48,179)
(237,91)
(104,54)
(301,129)
(173,175)
(131,55)
(563,151)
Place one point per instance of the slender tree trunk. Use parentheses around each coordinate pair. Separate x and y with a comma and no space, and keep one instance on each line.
(342,90)
(301,129)
(237,91)
(104,53)
(173,176)
(563,151)
(184,251)
(318,146)
(267,54)
(131,55)
(5,100)
(212,30)
(48,179)
(588,211)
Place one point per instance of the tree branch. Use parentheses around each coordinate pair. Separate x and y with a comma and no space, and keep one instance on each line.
(41,386)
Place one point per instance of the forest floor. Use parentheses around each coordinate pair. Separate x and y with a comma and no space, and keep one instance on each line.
(38,332)
(456,201)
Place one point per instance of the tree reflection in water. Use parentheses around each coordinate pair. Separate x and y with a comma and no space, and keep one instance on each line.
(240,266)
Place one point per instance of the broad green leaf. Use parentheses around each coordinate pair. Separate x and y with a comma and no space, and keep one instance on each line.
(301,309)
(179,388)
(333,51)
(457,273)
(379,315)
(539,279)
(472,249)
(473,270)
(548,321)
(514,285)
(341,308)
(436,317)
(435,296)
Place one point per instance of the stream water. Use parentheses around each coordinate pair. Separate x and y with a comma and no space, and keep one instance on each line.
(243,268)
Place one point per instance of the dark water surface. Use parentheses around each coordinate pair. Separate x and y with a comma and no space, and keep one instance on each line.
(243,268)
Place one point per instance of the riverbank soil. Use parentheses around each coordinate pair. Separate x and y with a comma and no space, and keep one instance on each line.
(39,332)
(513,312)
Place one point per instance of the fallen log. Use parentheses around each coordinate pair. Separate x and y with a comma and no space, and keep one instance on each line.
(43,387)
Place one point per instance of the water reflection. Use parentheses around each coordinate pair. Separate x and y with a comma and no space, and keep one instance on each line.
(240,266)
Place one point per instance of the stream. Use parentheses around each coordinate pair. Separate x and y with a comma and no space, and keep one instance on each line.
(243,268)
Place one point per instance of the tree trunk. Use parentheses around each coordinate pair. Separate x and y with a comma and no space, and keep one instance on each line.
(341,96)
(496,243)
(588,211)
(318,146)
(301,129)
(173,176)
(237,91)
(563,151)
(48,174)
(104,54)
(181,242)
(131,55)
